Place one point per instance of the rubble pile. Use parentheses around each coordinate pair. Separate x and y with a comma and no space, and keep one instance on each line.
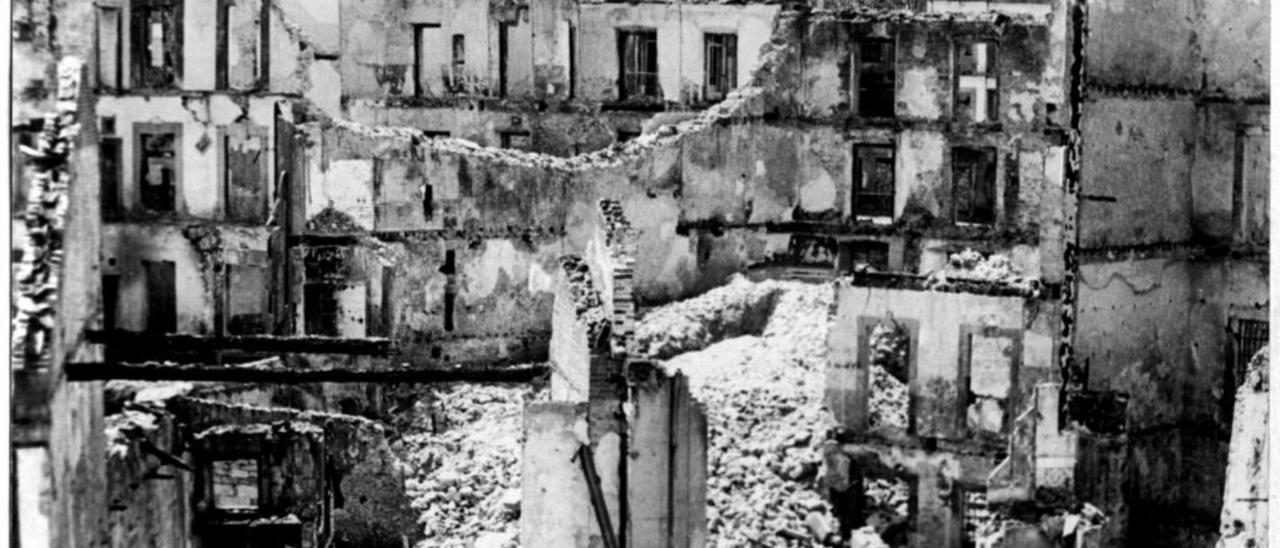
(463,445)
(738,308)
(764,397)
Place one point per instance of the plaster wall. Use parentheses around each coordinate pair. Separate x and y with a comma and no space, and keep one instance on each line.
(200,122)
(127,245)
(937,348)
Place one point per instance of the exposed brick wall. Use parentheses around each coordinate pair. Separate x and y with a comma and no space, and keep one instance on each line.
(620,239)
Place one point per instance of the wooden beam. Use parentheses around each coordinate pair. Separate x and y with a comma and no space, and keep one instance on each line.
(160,343)
(251,373)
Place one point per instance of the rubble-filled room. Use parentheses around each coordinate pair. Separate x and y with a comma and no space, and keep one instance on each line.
(645,273)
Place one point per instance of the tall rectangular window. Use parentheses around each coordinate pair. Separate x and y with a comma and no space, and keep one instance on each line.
(459,63)
(108,47)
(977,90)
(874,96)
(156,35)
(638,64)
(109,151)
(426,46)
(241,58)
(974,185)
(720,61)
(245,177)
(110,298)
(247,308)
(320,304)
(873,185)
(162,296)
(573,61)
(157,172)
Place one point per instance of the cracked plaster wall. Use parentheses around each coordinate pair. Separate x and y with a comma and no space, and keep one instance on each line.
(1155,329)
(1211,47)
(379,50)
(731,178)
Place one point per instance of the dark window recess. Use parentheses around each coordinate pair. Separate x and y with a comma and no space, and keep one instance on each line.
(627,135)
(109,157)
(247,306)
(245,176)
(638,64)
(450,269)
(436,134)
(108,47)
(974,179)
(449,298)
(519,140)
(156,31)
(573,61)
(876,76)
(388,301)
(873,185)
(241,59)
(158,171)
(108,126)
(1248,337)
(860,255)
(459,62)
(110,298)
(721,65)
(504,50)
(423,38)
(977,91)
(320,306)
(162,300)
(428,201)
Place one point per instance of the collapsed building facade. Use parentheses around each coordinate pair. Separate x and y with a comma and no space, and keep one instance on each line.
(480,185)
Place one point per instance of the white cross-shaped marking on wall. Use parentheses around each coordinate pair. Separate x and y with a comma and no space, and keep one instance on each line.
(981,83)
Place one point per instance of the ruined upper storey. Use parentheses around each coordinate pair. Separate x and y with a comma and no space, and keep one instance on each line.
(157,47)
(1219,49)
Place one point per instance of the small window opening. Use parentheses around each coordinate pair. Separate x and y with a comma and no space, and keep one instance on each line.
(638,61)
(974,176)
(977,89)
(876,77)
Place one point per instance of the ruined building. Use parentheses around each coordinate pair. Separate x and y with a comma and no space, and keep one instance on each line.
(1041,247)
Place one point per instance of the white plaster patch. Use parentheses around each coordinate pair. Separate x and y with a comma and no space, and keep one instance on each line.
(761,171)
(539,280)
(483,271)
(918,95)
(347,187)
(818,194)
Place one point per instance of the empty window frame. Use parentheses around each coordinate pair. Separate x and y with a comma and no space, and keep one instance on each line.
(720,59)
(247,303)
(425,48)
(162,296)
(977,89)
(638,64)
(519,140)
(244,163)
(241,59)
(974,185)
(887,348)
(988,372)
(234,485)
(158,169)
(459,66)
(110,150)
(156,36)
(862,255)
(873,184)
(1247,338)
(109,26)
(874,94)
(320,306)
(573,61)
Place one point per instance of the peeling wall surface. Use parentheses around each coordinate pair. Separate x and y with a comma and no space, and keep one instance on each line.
(1173,235)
